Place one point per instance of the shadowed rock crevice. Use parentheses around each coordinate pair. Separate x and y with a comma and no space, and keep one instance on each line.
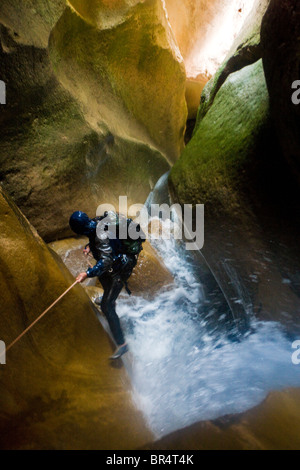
(281,60)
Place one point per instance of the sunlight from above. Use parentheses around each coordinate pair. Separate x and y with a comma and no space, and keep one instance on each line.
(205,31)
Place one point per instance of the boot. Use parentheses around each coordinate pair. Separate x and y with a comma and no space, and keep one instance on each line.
(98,300)
(119,351)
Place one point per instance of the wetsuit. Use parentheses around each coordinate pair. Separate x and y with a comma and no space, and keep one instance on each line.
(113,269)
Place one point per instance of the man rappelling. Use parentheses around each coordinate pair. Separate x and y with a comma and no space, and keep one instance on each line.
(115,242)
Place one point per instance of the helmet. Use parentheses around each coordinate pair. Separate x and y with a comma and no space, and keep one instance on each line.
(80,222)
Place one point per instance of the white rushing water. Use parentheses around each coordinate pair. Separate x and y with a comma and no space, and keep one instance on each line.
(182,371)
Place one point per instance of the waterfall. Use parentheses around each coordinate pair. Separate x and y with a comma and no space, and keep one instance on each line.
(187,362)
(192,355)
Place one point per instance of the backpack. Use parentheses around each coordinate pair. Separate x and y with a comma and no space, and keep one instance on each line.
(128,246)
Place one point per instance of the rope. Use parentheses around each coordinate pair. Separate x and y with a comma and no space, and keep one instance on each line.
(38,319)
(87,255)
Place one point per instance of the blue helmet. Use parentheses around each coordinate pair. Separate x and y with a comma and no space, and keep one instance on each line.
(80,223)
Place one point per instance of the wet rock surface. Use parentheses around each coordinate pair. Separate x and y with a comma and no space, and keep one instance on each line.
(148,277)
(58,387)
(273,425)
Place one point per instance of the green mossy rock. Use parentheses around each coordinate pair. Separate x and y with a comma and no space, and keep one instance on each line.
(58,388)
(32,20)
(149,276)
(245,50)
(227,143)
(127,77)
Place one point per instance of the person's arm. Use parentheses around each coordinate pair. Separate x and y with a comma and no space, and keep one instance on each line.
(81,277)
(100,268)
(87,249)
(103,264)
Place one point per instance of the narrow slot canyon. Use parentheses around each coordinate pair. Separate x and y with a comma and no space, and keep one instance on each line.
(205,33)
(175,105)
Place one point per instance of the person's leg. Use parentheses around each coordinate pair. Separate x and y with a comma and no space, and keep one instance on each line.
(112,287)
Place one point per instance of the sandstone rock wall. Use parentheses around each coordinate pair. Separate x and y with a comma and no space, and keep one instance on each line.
(226,144)
(110,127)
(58,388)
(31,21)
(127,76)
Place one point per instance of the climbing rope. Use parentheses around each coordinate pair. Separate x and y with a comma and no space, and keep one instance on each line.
(41,316)
(38,319)
(91,256)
